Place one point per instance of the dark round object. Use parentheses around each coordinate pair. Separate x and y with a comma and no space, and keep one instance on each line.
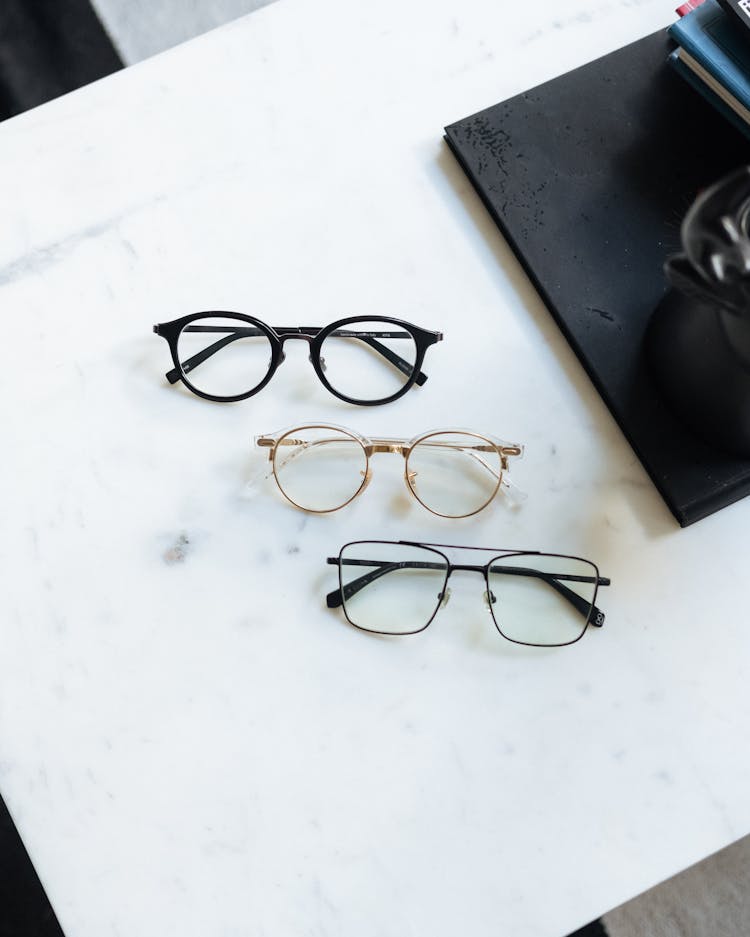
(700,359)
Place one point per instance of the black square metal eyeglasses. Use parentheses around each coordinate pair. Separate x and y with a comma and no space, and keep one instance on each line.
(365,360)
(397,588)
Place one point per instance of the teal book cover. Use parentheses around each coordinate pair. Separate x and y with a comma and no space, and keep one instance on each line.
(721,106)
(709,36)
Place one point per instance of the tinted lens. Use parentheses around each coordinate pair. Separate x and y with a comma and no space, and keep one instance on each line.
(540,599)
(320,468)
(224,357)
(368,360)
(391,588)
(454,474)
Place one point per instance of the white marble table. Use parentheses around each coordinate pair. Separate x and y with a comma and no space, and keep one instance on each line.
(191,742)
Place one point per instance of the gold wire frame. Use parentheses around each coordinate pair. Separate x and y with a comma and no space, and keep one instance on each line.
(489,446)
(403,447)
(339,429)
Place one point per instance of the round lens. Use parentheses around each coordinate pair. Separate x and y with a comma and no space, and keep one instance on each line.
(391,588)
(224,357)
(368,361)
(540,599)
(320,468)
(454,474)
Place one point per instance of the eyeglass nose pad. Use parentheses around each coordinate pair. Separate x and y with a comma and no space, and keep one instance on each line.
(282,358)
(411,479)
(489,598)
(322,361)
(444,597)
(367,476)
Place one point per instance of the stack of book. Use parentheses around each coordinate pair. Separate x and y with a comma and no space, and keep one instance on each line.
(713,54)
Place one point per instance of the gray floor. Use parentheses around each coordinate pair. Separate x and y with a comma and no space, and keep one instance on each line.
(711,899)
(141,28)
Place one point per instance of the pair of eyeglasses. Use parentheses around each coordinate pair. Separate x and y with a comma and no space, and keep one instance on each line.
(453,473)
(397,588)
(366,360)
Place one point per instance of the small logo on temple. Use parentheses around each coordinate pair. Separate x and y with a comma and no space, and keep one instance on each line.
(744,5)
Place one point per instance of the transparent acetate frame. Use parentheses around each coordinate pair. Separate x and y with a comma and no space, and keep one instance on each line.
(453,473)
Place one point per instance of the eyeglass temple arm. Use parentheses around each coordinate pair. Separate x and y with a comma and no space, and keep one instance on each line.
(513,450)
(577,601)
(337,597)
(396,360)
(243,332)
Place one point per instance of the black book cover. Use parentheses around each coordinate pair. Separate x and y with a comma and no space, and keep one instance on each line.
(588,177)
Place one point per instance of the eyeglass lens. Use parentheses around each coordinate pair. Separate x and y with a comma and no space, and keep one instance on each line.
(368,360)
(454,474)
(223,357)
(319,468)
(393,589)
(530,597)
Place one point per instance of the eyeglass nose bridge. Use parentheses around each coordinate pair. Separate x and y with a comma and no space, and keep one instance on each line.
(304,336)
(291,336)
(488,595)
(386,446)
(466,568)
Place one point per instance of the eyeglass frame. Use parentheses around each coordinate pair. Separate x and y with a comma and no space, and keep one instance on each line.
(404,447)
(314,336)
(337,598)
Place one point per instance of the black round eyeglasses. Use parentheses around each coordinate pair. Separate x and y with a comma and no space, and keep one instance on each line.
(228,356)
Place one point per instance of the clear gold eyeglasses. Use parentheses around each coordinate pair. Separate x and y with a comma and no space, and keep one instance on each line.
(451,472)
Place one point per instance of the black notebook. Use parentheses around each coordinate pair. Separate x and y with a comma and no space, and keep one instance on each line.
(588,177)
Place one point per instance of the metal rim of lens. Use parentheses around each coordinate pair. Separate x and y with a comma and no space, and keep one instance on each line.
(337,429)
(240,317)
(391,543)
(445,432)
(557,556)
